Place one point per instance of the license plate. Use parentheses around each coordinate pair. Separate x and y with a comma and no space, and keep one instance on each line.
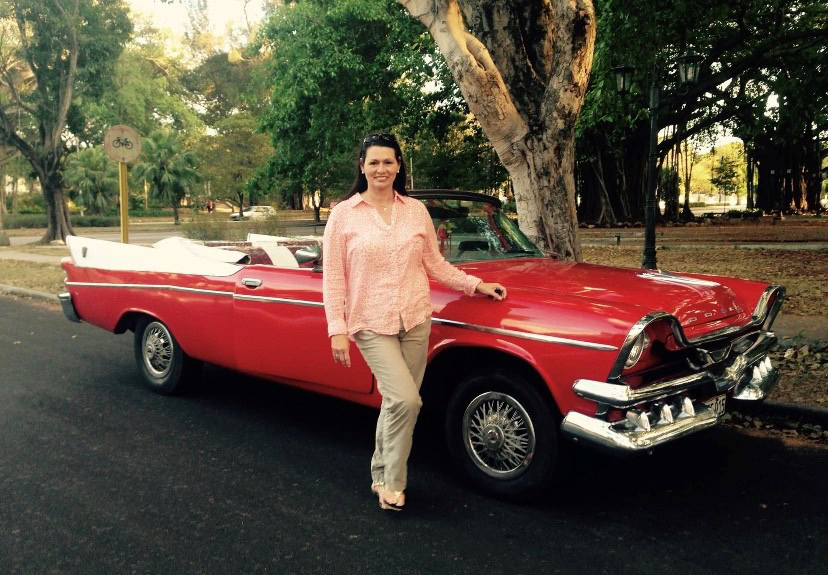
(717,404)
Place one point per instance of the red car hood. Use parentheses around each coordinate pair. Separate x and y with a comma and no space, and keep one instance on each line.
(692,301)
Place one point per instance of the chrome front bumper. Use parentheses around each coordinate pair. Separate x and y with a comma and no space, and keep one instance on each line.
(619,437)
(65,299)
(750,376)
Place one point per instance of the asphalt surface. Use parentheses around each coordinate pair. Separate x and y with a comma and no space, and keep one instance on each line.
(98,475)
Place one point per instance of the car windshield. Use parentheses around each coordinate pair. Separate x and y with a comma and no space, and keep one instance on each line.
(469,230)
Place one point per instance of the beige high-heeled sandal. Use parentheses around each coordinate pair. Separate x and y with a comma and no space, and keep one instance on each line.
(395,502)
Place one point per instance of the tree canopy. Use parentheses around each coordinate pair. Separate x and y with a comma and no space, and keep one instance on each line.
(57,57)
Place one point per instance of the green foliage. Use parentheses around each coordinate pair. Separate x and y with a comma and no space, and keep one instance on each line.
(30,203)
(94,178)
(342,68)
(724,176)
(214,227)
(168,167)
(16,221)
(232,156)
(100,30)
(24,220)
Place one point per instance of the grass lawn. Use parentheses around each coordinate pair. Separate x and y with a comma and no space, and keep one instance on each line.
(41,277)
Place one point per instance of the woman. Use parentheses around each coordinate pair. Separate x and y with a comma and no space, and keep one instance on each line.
(378,247)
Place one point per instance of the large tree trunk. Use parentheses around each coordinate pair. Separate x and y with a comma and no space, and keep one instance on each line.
(3,210)
(523,69)
(57,212)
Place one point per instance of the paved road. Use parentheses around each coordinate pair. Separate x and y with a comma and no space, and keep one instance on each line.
(99,476)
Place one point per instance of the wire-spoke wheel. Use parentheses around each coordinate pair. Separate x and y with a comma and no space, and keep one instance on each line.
(499,435)
(164,366)
(158,349)
(502,433)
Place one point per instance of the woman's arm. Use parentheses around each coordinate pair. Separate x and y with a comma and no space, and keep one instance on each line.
(437,267)
(333,275)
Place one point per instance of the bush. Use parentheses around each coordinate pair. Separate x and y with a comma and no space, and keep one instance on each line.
(271,226)
(31,203)
(15,221)
(214,227)
(96,221)
(151,213)
(211,228)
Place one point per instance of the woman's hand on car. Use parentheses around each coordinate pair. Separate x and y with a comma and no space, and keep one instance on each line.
(494,290)
(341,348)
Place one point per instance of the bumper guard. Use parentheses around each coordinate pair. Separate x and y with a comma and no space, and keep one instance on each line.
(68,307)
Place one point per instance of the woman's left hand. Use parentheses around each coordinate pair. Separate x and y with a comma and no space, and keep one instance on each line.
(494,290)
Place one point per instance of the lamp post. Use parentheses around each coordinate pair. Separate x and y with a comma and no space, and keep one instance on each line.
(688,65)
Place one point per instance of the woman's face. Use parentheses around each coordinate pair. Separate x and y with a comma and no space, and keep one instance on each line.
(380,167)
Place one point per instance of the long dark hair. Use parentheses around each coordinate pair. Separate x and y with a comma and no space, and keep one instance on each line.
(386,141)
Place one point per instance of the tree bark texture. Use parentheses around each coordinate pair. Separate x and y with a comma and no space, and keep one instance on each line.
(57,212)
(523,69)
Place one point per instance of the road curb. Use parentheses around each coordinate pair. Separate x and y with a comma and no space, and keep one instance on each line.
(786,411)
(25,292)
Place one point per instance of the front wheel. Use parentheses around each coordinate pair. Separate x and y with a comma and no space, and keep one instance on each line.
(165,368)
(502,434)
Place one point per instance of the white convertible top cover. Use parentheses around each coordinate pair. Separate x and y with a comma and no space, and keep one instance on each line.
(172,257)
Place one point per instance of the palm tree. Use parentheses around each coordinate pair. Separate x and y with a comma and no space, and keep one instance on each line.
(169,169)
(94,176)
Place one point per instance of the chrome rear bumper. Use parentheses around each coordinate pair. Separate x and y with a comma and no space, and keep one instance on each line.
(65,299)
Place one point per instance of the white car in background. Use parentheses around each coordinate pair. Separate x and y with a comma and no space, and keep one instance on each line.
(255,213)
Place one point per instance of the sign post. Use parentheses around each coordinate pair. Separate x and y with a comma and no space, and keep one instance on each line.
(123,144)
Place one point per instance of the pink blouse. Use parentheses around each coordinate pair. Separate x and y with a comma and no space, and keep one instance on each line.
(375,273)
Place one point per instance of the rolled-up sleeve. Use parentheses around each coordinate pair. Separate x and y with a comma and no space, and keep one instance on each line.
(333,275)
(436,265)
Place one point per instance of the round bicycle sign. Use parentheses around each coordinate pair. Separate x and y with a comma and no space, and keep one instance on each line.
(122,143)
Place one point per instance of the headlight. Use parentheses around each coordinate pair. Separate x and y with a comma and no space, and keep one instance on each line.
(638,347)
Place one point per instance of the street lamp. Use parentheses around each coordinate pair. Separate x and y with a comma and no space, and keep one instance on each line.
(623,78)
(689,65)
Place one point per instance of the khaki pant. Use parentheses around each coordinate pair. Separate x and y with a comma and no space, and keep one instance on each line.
(398,362)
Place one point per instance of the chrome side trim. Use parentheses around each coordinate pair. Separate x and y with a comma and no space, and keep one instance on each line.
(153,286)
(768,317)
(615,437)
(269,299)
(65,299)
(525,335)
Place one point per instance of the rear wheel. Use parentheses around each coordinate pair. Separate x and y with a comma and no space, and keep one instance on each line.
(502,434)
(165,368)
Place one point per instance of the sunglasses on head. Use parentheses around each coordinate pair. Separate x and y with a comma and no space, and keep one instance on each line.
(374,138)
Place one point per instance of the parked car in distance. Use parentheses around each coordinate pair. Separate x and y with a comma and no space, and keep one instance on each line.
(255,213)
(622,359)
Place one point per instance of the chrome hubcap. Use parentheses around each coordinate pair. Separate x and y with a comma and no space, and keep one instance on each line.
(158,349)
(498,435)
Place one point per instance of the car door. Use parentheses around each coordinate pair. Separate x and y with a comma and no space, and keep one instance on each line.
(280,330)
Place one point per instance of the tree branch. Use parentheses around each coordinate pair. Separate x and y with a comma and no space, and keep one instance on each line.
(67,83)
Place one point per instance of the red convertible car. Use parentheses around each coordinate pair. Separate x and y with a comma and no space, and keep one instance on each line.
(623,359)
